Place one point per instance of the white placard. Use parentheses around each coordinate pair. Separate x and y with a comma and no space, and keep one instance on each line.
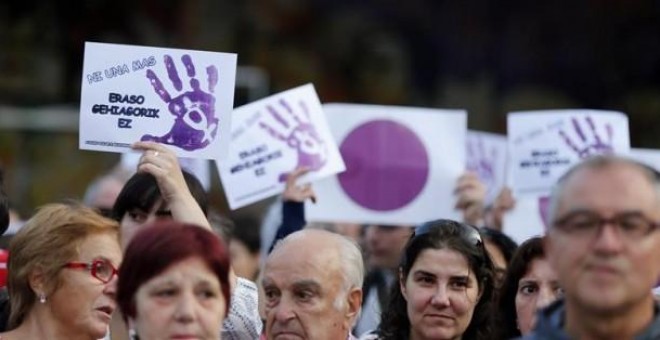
(181,98)
(527,219)
(272,137)
(402,165)
(487,156)
(545,144)
(650,157)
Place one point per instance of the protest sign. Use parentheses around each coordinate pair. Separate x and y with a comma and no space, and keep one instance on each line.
(487,157)
(650,157)
(402,164)
(272,137)
(527,219)
(181,98)
(544,144)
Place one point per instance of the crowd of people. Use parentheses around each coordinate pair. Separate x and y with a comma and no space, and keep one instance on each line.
(147,257)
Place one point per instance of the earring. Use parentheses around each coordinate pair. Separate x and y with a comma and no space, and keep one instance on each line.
(42,298)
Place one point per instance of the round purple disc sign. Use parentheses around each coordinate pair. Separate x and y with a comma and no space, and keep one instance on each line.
(386,165)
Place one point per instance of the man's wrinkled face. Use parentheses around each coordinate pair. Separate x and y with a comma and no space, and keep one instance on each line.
(605,271)
(304,295)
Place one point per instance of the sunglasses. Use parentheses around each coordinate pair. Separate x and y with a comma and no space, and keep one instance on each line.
(467,232)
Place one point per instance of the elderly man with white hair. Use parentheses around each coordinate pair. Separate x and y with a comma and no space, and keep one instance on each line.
(312,286)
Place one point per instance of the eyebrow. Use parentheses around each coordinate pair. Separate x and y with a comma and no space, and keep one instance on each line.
(423,272)
(163,213)
(307,284)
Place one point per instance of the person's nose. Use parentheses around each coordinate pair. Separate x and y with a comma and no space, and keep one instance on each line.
(185,309)
(546,297)
(110,288)
(285,310)
(608,240)
(440,298)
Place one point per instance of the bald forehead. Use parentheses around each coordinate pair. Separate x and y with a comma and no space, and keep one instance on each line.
(608,173)
(308,243)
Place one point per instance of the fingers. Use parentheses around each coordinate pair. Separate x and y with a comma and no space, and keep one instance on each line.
(466,181)
(469,191)
(504,200)
(295,174)
(298,193)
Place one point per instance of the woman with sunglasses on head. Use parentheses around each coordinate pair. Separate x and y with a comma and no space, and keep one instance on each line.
(446,283)
(62,273)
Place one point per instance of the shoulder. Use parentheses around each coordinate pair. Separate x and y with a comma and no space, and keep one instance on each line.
(243,320)
(549,323)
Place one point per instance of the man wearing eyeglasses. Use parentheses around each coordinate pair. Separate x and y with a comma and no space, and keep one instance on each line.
(604,243)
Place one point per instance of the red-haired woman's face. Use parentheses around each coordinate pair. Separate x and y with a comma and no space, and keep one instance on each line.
(185,301)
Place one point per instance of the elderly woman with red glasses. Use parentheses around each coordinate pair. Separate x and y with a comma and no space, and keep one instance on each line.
(62,274)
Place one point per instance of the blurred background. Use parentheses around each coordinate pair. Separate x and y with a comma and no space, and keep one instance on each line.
(489,57)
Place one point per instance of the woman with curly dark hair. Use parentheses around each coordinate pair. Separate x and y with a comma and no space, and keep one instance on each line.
(446,284)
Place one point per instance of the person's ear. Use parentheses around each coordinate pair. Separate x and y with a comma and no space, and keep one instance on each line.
(402,284)
(37,282)
(354,302)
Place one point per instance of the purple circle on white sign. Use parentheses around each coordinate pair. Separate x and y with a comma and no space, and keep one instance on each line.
(387,165)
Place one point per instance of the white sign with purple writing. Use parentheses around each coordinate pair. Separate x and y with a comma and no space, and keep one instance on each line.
(181,98)
(402,164)
(545,144)
(272,137)
(487,157)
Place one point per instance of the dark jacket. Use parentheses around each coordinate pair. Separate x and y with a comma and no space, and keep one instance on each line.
(550,325)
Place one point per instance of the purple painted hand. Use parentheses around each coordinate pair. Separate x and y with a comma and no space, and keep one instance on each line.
(589,147)
(195,125)
(298,134)
(481,162)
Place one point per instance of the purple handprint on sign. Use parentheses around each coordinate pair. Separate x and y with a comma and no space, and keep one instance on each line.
(298,134)
(589,147)
(481,162)
(195,125)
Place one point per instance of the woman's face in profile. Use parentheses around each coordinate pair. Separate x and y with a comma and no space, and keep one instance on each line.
(82,302)
(538,288)
(441,293)
(185,301)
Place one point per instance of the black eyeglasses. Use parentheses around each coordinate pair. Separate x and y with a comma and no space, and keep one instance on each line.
(468,232)
(631,225)
(102,270)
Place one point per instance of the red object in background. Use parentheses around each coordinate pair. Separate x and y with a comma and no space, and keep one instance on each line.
(4,257)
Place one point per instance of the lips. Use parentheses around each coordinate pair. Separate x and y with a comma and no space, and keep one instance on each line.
(287,336)
(108,310)
(603,269)
(184,337)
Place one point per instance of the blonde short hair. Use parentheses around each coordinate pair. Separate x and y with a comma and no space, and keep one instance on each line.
(46,242)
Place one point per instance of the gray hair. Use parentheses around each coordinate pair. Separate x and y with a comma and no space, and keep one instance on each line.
(598,163)
(351,262)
